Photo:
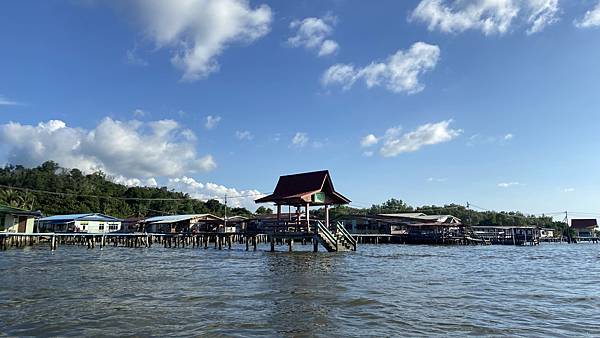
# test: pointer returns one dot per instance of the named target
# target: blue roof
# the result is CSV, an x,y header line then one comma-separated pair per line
x,y
80,217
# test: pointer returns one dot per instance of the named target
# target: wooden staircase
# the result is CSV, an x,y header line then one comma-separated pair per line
x,y
335,239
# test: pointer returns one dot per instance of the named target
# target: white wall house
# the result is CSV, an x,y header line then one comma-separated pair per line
x,y
17,220
90,223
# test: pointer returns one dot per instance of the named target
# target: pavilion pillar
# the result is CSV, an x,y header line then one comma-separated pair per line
x,y
308,218
327,216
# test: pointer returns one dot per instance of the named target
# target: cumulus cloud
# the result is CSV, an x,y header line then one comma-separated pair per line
x,y
369,140
300,139
590,19
508,184
399,73
312,33
135,182
396,143
509,137
206,191
198,31
244,135
119,148
488,16
212,122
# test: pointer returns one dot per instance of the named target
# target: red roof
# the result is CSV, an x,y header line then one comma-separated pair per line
x,y
584,223
297,189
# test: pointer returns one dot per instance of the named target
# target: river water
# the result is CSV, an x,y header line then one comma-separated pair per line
x,y
380,290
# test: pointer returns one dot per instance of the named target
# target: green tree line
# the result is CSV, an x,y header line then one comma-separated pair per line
x,y
76,189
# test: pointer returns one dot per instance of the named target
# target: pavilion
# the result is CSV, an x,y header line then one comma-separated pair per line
x,y
306,190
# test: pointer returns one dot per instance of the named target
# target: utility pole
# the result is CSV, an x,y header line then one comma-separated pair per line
x,y
225,223
568,233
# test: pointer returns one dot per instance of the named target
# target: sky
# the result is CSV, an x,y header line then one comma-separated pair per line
x,y
494,103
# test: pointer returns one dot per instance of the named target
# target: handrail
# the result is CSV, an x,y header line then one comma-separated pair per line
x,y
340,227
321,229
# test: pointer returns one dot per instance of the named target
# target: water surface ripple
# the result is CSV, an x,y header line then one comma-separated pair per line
x,y
385,290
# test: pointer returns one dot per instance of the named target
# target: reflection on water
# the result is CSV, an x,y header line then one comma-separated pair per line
x,y
378,291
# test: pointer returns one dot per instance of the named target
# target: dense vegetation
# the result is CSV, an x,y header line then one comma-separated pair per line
x,y
78,191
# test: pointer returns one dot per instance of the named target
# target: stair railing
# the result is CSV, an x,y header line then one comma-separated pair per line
x,y
326,233
340,228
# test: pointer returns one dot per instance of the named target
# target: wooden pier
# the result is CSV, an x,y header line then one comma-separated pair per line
x,y
132,240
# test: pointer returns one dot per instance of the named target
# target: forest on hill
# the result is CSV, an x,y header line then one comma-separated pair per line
x,y
68,191
72,191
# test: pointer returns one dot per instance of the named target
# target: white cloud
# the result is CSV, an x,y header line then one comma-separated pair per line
x,y
569,190
488,16
128,149
436,179
369,140
133,59
590,19
312,33
212,121
542,13
139,113
508,184
395,144
509,137
206,191
135,182
399,73
5,101
244,135
198,31
328,47
189,135
300,139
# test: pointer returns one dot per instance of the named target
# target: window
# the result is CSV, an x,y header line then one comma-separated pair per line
x,y
101,227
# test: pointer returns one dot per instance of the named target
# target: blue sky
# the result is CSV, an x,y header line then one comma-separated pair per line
x,y
491,102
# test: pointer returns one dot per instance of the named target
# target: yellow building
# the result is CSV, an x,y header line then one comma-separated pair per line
x,y
17,220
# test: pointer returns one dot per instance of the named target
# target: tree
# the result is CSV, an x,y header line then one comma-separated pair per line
x,y
263,211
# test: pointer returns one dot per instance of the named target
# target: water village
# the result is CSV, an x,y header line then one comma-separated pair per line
x,y
297,193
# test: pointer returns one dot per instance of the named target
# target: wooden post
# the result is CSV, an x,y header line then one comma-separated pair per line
x,y
290,244
273,242
308,218
254,242
327,216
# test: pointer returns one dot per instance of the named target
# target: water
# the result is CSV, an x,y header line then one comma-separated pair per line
x,y
385,290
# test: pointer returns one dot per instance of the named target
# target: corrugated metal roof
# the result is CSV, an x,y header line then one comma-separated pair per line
x,y
80,217
176,218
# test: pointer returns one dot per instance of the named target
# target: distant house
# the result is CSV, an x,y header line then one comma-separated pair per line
x,y
91,223
508,234
547,233
413,227
236,224
17,220
584,228
183,223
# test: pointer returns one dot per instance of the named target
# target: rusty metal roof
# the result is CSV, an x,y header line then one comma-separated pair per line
x,y
584,223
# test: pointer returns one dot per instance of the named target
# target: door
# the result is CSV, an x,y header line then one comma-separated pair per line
x,y
22,224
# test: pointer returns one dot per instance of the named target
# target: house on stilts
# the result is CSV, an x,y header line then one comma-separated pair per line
x,y
301,192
